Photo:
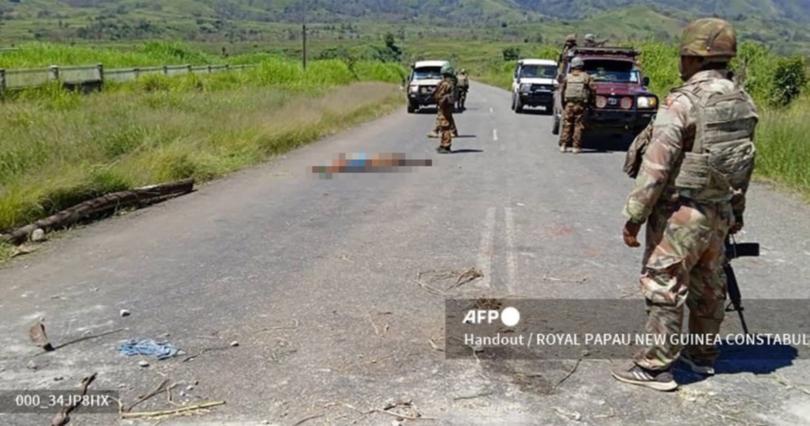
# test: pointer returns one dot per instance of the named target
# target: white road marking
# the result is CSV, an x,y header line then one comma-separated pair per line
x,y
511,259
485,249
495,135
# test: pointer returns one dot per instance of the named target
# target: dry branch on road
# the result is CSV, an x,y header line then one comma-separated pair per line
x,y
103,204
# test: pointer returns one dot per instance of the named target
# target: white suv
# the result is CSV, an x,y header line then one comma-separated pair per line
x,y
533,84
422,82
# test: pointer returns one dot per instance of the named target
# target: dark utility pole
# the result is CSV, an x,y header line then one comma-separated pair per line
x,y
304,35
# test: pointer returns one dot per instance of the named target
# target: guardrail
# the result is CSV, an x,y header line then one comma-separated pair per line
x,y
94,76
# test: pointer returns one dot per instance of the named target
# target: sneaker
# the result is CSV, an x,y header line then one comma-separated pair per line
x,y
659,380
563,148
576,150
698,366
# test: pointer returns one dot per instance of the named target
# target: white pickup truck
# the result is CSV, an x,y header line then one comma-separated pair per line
x,y
533,84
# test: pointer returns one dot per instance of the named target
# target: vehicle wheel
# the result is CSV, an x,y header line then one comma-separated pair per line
x,y
512,107
518,106
555,128
411,108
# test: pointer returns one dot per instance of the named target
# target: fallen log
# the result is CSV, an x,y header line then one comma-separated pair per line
x,y
103,204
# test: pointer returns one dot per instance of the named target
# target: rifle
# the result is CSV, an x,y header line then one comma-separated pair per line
x,y
733,251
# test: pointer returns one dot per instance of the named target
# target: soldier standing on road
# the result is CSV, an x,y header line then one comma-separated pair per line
x,y
577,91
463,88
690,191
445,102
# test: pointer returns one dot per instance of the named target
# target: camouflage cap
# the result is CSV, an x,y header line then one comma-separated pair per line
x,y
709,38
571,38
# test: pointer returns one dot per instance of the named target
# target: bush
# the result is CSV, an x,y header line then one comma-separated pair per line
x,y
511,53
789,78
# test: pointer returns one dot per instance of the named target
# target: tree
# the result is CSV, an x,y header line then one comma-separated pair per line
x,y
511,53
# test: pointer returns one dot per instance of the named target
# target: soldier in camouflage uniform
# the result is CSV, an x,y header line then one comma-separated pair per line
x,y
577,92
444,96
570,44
690,190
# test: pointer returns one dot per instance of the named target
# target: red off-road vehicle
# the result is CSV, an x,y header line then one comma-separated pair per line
x,y
622,103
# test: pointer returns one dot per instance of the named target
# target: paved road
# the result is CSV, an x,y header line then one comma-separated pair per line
x,y
315,278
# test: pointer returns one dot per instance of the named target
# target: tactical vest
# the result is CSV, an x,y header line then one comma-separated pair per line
x,y
722,157
576,88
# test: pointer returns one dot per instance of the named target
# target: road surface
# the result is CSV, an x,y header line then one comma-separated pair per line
x,y
316,280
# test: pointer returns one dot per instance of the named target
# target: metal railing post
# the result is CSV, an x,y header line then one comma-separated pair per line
x,y
54,71
100,68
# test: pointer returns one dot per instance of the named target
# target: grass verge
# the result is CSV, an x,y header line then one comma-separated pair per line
x,y
54,155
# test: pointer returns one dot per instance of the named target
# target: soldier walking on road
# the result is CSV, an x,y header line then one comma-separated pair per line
x,y
690,191
445,102
577,91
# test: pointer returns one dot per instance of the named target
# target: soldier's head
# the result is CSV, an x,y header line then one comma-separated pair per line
x,y
590,38
448,71
577,63
571,40
462,71
708,43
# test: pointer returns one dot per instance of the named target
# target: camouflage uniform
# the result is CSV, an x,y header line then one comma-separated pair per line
x,y
444,119
574,112
684,238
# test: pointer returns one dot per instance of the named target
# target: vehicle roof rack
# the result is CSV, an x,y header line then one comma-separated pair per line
x,y
618,51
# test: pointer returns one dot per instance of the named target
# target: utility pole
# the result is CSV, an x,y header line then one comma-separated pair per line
x,y
304,35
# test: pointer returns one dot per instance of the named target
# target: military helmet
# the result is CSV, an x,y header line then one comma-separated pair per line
x,y
590,37
462,71
709,38
571,38
447,69
577,62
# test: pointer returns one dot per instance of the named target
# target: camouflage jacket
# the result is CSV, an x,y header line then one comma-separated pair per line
x,y
590,86
673,135
444,93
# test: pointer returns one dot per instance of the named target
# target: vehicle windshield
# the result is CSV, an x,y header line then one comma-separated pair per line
x,y
538,71
613,71
427,73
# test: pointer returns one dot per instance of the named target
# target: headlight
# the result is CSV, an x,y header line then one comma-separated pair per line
x,y
601,101
525,87
647,102
414,89
626,103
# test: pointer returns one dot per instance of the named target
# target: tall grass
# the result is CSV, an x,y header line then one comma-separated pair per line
x,y
784,148
59,148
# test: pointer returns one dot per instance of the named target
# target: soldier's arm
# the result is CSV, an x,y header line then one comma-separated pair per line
x,y
562,91
661,156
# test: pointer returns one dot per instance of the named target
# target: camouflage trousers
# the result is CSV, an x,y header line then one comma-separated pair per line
x,y
448,115
573,124
683,261
445,126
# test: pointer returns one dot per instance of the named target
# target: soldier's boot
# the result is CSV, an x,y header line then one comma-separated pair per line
x,y
633,374
443,149
563,148
698,366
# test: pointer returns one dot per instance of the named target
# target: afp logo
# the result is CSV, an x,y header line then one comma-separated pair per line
x,y
509,316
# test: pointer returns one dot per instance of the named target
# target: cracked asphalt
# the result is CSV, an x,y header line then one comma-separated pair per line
x,y
316,279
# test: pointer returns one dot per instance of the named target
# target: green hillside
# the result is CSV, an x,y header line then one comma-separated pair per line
x,y
779,23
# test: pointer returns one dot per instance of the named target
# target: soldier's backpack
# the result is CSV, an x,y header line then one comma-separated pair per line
x,y
722,157
575,87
